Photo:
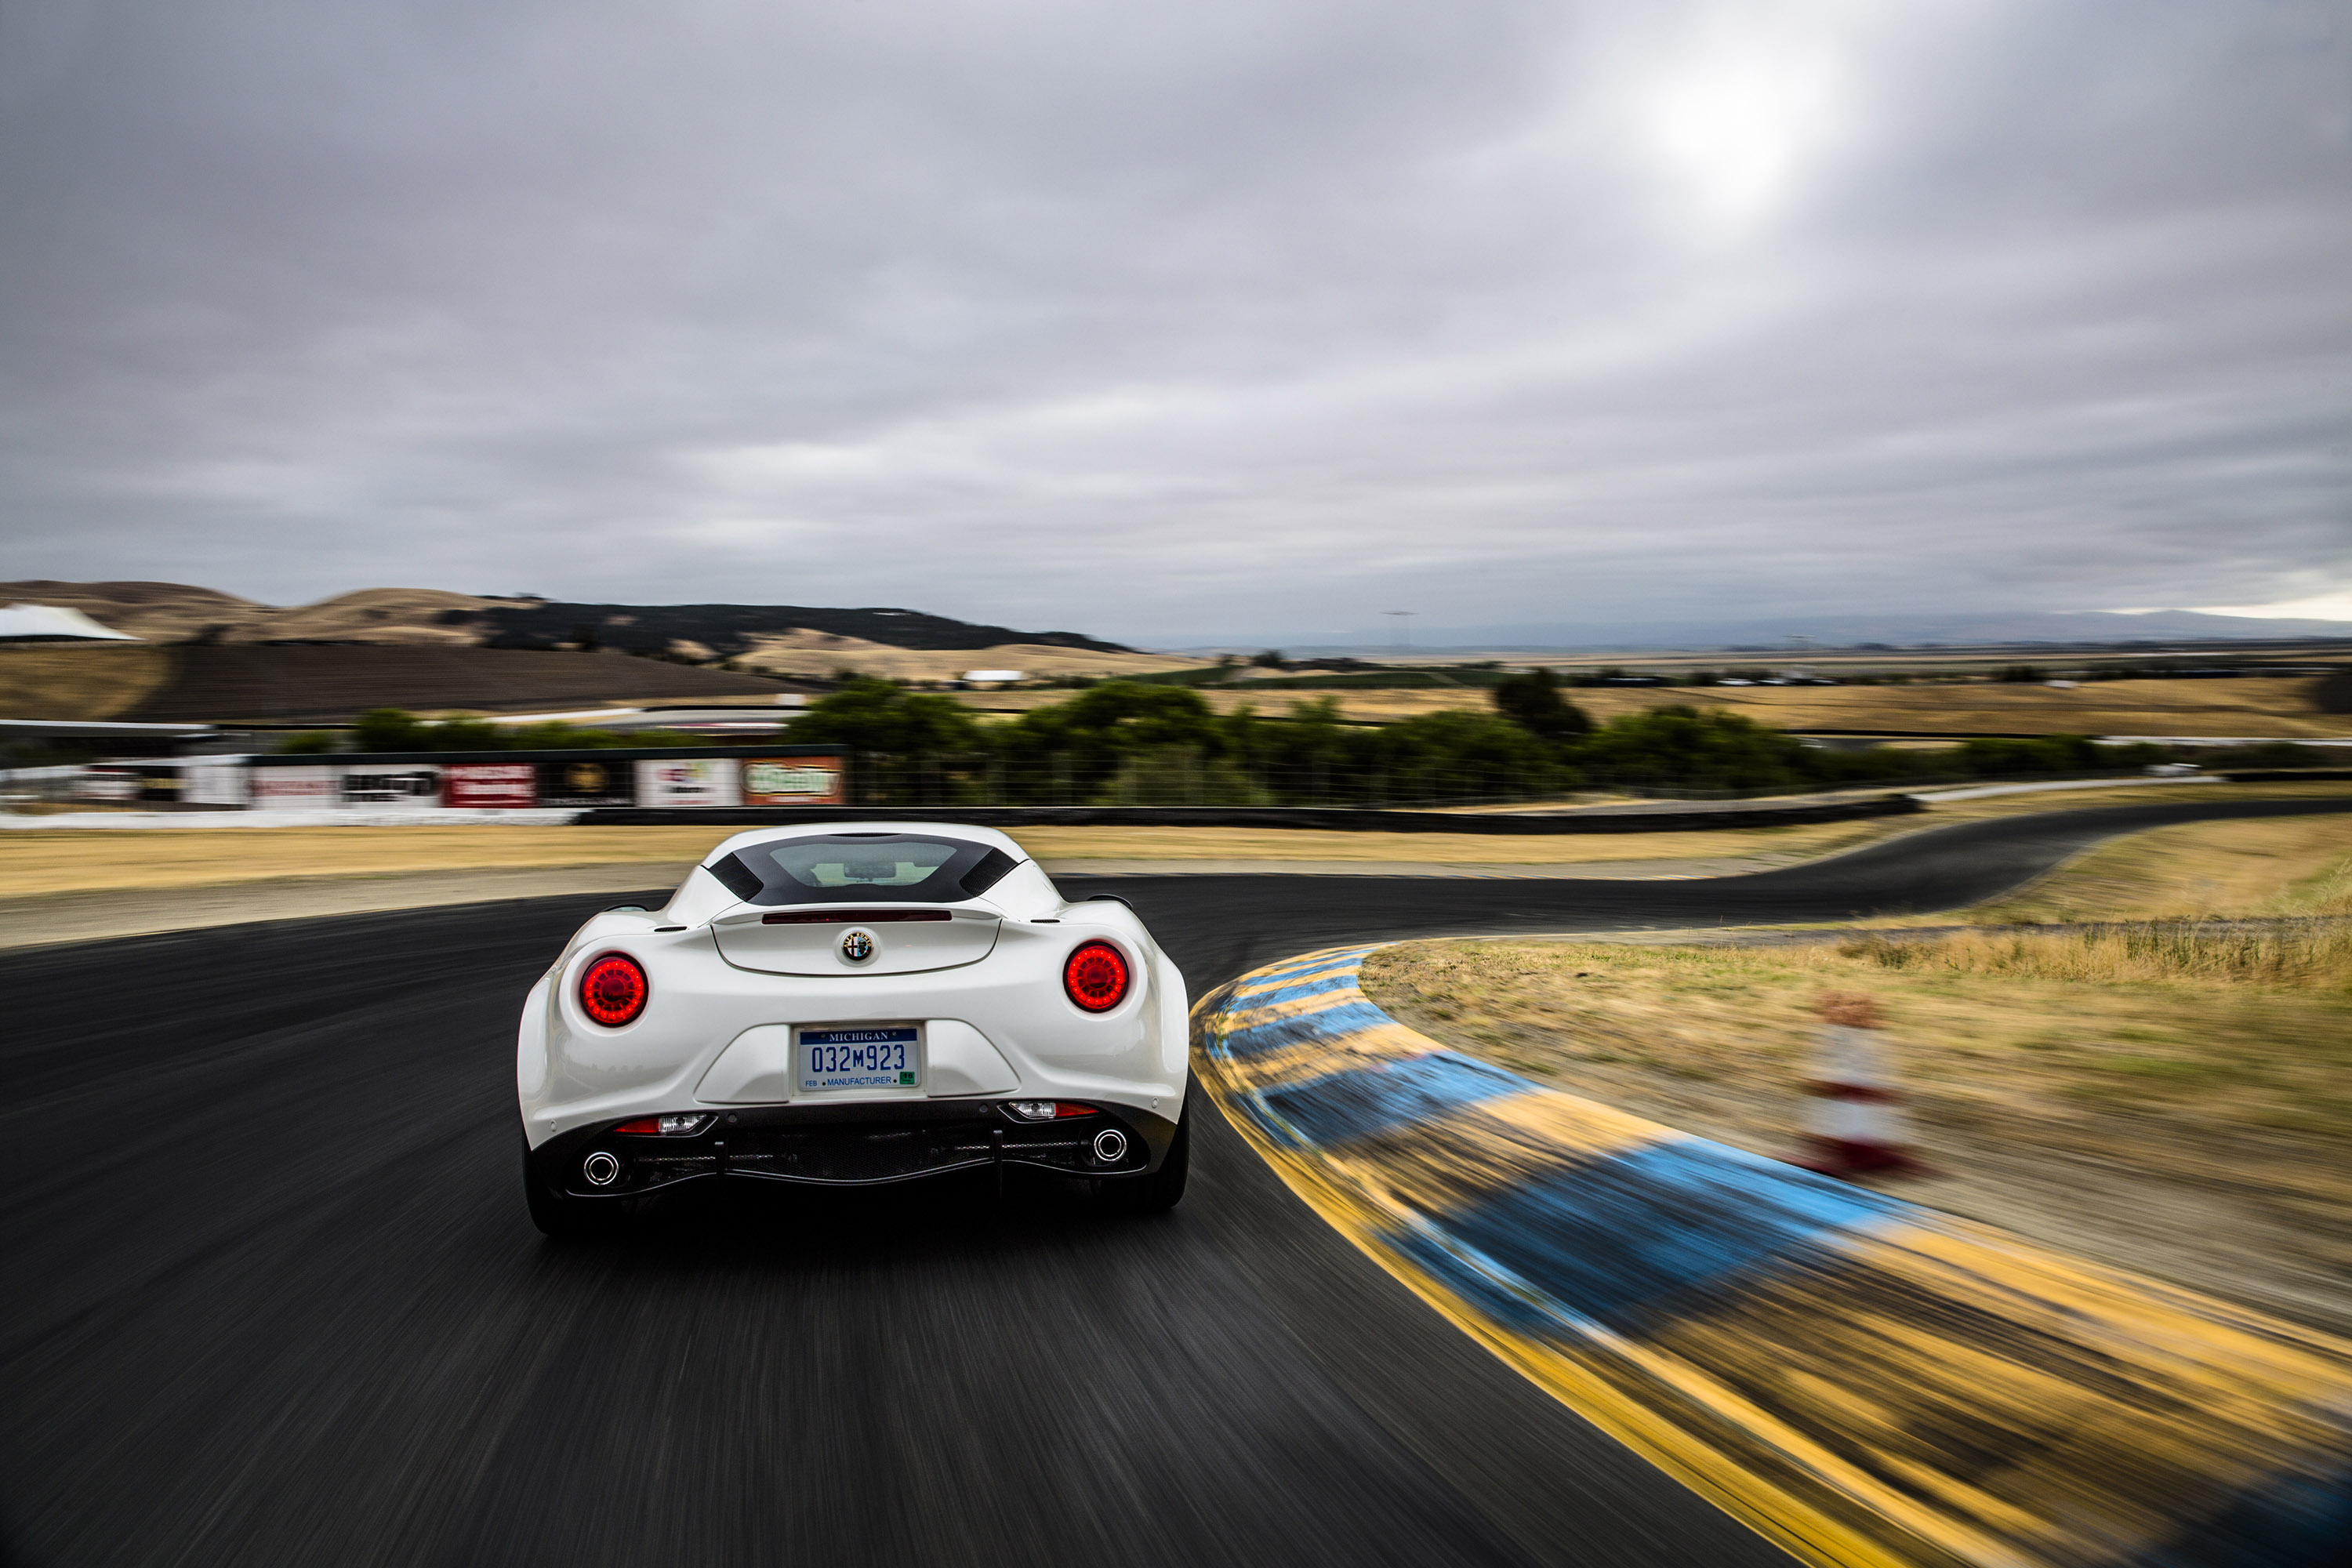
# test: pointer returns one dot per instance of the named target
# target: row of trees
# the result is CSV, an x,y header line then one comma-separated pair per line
x,y
1138,744
1124,743
393,730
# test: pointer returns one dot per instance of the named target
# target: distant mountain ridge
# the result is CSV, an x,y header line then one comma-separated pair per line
x,y
739,629
179,612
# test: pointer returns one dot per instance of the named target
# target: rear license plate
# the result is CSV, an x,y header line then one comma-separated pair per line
x,y
888,1056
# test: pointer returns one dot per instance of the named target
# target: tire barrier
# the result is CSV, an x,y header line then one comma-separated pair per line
x,y
1863,1380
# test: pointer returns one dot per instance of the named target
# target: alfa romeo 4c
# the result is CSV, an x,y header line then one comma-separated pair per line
x,y
850,1004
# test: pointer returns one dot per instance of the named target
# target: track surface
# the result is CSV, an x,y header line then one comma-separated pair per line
x,y
271,1296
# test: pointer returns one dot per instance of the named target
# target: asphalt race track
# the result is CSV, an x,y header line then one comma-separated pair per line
x,y
272,1297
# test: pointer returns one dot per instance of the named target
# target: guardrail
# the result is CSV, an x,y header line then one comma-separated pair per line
x,y
1863,1380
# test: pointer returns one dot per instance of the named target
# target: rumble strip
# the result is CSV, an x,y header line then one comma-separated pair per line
x,y
1862,1380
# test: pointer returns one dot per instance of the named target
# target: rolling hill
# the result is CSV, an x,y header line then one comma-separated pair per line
x,y
179,612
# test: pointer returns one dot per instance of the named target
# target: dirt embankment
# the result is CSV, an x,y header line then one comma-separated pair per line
x,y
47,680
330,685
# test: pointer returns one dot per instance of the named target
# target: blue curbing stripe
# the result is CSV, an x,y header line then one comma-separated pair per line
x,y
1353,1104
1275,1034
2304,1521
1622,1240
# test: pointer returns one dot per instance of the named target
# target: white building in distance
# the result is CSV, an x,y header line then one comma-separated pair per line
x,y
53,623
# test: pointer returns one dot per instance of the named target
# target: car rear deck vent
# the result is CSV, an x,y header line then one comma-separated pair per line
x,y
602,1170
1111,1145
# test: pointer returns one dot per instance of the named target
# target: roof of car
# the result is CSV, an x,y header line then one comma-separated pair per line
x,y
958,830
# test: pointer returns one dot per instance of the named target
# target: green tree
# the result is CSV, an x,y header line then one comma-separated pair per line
x,y
1677,747
387,730
869,715
1463,754
1533,702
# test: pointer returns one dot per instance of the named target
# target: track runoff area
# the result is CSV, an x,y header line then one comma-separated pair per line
x,y
273,1299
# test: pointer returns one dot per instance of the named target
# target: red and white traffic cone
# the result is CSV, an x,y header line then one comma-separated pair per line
x,y
1857,1125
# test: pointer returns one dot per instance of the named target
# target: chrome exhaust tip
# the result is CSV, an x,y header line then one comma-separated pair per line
x,y
601,1169
1111,1145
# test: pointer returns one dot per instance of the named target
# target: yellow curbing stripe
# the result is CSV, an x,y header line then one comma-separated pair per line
x,y
1811,1533
1313,1059
1821,1404
1324,964
1258,1017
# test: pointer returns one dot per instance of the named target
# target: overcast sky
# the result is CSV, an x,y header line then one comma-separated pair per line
x,y
1238,314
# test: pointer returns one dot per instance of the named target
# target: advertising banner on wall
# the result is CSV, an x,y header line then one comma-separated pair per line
x,y
213,784
792,781
296,788
689,781
584,784
490,787
414,787
117,785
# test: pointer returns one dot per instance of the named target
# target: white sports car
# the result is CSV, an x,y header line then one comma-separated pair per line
x,y
852,1005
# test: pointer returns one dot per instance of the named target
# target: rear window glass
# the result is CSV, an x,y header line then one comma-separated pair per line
x,y
865,868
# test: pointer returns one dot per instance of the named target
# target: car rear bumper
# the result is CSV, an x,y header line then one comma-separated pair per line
x,y
863,1145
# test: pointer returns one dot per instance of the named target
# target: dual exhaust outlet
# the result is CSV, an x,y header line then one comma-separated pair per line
x,y
602,1168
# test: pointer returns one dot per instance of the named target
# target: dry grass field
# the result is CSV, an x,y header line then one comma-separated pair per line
x,y
2264,709
2176,1103
39,861
2170,1097
2297,866
811,653
35,862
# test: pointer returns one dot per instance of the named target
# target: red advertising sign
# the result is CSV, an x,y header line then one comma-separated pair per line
x,y
495,786
297,787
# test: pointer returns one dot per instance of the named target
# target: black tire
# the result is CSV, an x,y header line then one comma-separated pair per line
x,y
1164,1188
563,1218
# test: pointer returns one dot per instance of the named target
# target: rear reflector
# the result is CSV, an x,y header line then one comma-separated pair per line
x,y
1095,976
1037,1110
682,1126
853,917
613,990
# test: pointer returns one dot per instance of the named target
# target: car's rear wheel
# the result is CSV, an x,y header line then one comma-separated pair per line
x,y
1164,1188
564,1218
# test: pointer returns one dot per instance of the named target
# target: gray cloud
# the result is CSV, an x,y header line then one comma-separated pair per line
x,y
1234,315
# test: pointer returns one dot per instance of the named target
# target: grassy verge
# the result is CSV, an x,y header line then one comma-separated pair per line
x,y
67,860
1308,843
2169,1099
2298,866
77,860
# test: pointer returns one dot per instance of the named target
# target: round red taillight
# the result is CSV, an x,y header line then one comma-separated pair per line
x,y
613,990
1095,976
